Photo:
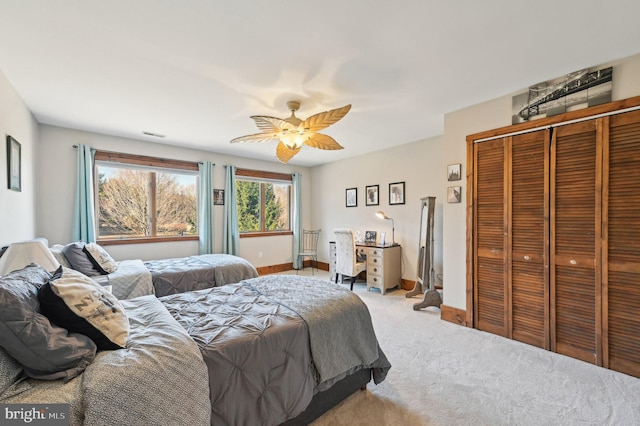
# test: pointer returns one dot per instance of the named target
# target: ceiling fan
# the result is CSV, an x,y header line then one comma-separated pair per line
x,y
292,132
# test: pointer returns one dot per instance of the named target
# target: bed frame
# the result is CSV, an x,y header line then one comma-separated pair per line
x,y
325,400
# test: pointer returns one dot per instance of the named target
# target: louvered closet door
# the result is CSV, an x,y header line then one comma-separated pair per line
x,y
575,241
529,231
621,278
489,219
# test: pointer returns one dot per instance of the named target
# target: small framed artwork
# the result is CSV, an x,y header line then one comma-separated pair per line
x,y
454,194
218,197
351,197
396,193
14,165
370,237
454,172
372,195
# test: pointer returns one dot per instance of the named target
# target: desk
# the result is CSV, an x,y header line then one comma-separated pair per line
x,y
384,264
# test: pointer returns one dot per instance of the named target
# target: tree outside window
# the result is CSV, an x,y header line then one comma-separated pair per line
x,y
135,202
263,206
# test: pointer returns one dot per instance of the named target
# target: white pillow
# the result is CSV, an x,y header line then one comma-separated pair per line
x,y
56,251
89,300
101,257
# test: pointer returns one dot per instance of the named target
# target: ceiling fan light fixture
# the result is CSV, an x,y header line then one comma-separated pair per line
x,y
292,132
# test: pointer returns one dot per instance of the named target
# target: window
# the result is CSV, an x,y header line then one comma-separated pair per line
x,y
145,199
263,200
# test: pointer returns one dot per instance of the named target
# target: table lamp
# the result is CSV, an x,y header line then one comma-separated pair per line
x,y
381,215
21,254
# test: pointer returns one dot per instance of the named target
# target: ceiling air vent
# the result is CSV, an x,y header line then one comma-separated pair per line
x,y
155,135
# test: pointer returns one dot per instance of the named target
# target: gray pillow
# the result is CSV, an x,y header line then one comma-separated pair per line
x,y
79,260
45,351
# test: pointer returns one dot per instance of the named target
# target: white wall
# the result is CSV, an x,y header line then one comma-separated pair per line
x,y
56,187
486,116
17,209
419,164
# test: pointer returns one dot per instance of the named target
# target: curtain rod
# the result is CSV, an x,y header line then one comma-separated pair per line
x,y
199,162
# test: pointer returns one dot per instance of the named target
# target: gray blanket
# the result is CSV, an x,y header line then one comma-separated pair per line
x,y
260,354
340,328
159,379
172,276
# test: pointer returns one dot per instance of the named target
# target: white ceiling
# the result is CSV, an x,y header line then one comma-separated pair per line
x,y
195,70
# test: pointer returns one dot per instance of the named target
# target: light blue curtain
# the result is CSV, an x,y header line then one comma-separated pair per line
x,y
231,236
296,219
205,209
84,215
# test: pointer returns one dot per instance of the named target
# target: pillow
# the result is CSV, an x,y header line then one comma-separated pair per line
x,y
74,301
100,258
56,251
45,351
79,260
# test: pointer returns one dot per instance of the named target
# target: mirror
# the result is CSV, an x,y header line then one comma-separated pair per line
x,y
425,273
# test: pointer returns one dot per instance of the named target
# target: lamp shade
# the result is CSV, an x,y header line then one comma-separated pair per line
x,y
19,255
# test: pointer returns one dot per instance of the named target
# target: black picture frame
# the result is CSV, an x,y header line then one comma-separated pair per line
x,y
218,197
351,197
396,193
14,164
372,195
370,237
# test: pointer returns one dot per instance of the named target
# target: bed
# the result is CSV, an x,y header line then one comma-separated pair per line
x,y
262,351
133,278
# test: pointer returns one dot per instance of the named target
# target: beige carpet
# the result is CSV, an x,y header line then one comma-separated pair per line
x,y
445,374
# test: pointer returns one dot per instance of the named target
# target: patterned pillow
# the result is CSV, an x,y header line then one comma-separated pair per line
x,y
45,351
100,258
76,302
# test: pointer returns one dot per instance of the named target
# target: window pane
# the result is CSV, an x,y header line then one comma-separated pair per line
x,y
248,201
128,207
176,206
276,200
123,197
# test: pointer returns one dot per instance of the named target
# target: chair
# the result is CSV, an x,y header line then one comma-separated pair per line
x,y
309,247
346,256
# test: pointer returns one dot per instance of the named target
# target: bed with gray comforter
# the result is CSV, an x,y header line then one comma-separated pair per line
x,y
171,276
255,352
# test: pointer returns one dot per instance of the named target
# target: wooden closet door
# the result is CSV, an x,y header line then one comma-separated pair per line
x,y
576,169
621,250
490,313
529,205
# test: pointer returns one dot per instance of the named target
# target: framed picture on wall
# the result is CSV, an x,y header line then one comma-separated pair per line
x,y
218,197
396,193
454,172
454,194
351,197
371,192
14,165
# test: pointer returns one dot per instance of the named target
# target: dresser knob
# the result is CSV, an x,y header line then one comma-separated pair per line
x,y
527,258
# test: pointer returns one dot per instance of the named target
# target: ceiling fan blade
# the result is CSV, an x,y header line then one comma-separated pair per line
x,y
284,153
325,119
321,141
258,137
271,124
